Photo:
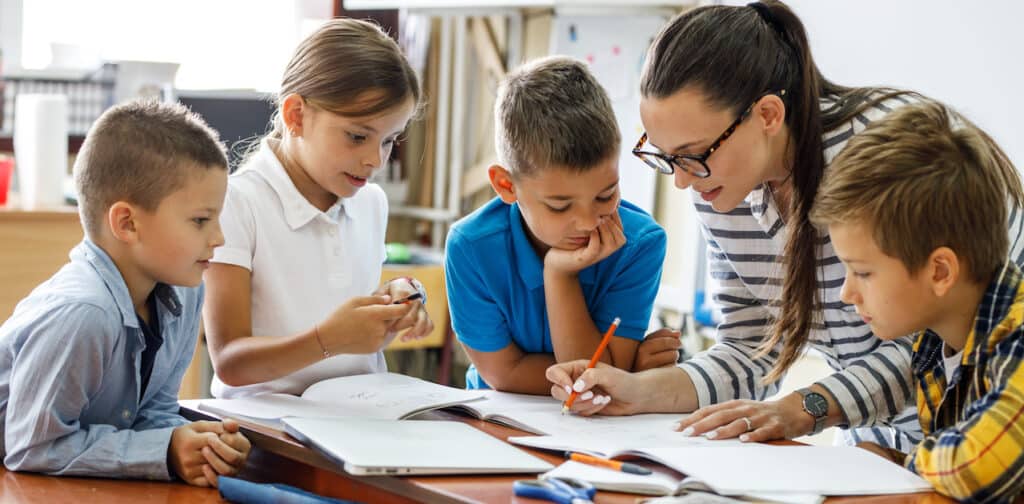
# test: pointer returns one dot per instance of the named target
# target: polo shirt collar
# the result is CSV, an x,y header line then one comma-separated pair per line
x,y
298,211
528,264
113,280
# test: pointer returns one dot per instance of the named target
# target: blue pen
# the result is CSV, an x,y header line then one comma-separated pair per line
x,y
558,490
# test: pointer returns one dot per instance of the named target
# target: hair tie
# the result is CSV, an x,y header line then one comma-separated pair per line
x,y
766,14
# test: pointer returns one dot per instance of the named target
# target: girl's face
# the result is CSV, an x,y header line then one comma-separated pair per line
x,y
340,153
685,123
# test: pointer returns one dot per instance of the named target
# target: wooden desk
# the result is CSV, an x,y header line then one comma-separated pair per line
x,y
34,488
277,457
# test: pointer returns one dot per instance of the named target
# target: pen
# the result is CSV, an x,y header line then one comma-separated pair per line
x,y
408,299
593,361
609,463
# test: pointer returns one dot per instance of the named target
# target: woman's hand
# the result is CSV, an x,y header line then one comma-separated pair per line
x,y
750,421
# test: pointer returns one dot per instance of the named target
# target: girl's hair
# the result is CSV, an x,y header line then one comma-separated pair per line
x,y
349,67
734,55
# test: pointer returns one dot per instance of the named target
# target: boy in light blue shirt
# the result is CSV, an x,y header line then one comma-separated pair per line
x,y
536,275
92,360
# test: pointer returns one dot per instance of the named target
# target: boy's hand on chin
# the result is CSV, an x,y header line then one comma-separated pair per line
x,y
604,241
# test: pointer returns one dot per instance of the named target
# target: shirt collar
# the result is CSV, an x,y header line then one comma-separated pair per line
x,y
995,304
529,265
100,261
298,211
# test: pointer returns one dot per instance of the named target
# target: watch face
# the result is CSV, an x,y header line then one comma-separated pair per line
x,y
816,404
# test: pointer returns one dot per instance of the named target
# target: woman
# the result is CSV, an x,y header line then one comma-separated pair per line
x,y
735,107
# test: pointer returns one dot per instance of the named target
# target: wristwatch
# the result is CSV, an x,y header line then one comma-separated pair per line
x,y
815,405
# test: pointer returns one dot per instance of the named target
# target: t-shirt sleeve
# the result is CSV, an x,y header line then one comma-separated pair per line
x,y
238,224
476,318
631,295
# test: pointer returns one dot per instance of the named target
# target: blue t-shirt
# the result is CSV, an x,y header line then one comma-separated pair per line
x,y
495,281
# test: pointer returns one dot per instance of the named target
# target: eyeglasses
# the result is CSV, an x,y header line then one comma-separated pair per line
x,y
694,164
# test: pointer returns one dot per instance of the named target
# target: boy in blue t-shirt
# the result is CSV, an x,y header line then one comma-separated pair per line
x,y
92,360
538,274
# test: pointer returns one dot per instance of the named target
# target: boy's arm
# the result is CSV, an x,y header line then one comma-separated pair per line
x,y
512,370
576,329
57,372
981,458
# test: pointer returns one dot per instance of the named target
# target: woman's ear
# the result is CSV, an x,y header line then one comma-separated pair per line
x,y
943,269
293,108
121,222
772,113
501,182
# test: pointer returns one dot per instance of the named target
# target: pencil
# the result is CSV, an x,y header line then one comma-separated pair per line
x,y
610,464
593,361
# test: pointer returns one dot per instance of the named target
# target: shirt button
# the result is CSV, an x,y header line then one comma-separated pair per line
x,y
126,414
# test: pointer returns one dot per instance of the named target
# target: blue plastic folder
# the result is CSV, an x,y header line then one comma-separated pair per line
x,y
247,492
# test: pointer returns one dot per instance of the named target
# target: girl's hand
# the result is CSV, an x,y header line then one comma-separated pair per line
x,y
361,325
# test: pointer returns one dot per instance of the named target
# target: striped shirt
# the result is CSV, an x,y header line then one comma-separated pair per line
x,y
872,382
973,449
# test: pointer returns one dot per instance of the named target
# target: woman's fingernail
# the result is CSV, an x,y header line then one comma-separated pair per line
x,y
744,438
587,395
578,386
606,399
711,435
688,431
568,389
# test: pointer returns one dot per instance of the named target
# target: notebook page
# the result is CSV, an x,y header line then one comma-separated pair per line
x,y
386,395
824,470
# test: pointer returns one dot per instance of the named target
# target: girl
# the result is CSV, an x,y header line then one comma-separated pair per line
x,y
735,108
304,231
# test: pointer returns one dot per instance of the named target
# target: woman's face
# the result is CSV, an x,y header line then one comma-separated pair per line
x,y
686,123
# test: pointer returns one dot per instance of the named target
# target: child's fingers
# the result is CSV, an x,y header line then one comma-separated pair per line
x,y
422,328
208,426
226,453
210,475
387,311
230,425
217,463
237,441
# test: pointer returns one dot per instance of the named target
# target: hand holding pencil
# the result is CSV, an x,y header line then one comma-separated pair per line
x,y
593,361
601,388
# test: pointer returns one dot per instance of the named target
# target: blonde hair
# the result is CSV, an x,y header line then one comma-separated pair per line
x,y
925,177
349,67
552,111
141,152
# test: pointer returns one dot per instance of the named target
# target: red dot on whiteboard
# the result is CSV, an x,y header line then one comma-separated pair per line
x,y
616,50
590,58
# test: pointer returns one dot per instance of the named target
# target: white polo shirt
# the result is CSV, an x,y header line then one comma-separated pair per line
x,y
304,262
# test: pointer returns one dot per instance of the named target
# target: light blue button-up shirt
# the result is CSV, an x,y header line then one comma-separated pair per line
x,y
69,374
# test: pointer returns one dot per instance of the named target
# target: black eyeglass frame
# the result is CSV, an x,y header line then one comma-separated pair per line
x,y
672,161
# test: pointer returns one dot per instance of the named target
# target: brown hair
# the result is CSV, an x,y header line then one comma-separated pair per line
x,y
140,152
924,171
734,55
552,111
349,67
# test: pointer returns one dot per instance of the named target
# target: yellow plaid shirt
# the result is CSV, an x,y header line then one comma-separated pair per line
x,y
973,449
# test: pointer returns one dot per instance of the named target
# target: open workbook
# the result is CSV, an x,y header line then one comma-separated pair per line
x,y
753,468
664,484
386,396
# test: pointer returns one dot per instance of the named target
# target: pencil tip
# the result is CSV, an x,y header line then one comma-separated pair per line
x,y
565,410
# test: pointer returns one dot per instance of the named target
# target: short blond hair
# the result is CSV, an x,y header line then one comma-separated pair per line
x,y
141,152
553,112
925,177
